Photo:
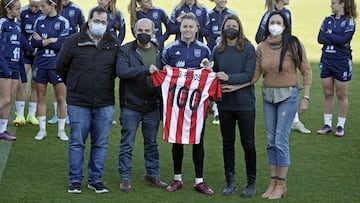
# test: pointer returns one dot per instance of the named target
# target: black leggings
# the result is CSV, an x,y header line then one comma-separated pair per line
x,y
197,153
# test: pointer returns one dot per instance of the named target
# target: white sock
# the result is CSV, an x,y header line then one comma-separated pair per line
x,y
61,124
199,180
20,106
296,118
178,177
3,125
55,108
32,108
42,122
328,119
215,110
341,122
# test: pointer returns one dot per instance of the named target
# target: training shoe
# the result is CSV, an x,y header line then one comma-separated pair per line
x,y
19,120
114,122
125,186
7,136
299,126
53,120
249,190
98,187
339,132
325,130
62,135
216,121
75,188
40,135
175,185
203,188
154,181
67,120
32,120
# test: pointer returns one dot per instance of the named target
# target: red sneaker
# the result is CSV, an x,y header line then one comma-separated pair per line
x,y
175,185
203,188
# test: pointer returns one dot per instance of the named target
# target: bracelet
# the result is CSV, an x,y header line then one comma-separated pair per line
x,y
306,97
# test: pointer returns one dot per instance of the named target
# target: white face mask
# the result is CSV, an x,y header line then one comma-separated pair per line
x,y
97,29
275,30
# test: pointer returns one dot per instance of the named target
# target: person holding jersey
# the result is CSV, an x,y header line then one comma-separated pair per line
x,y
174,55
139,102
116,19
50,31
335,35
29,14
11,62
279,5
236,107
202,17
139,9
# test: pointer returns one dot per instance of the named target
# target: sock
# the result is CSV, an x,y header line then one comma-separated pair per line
x,y
328,119
20,106
341,122
3,125
61,124
178,177
296,118
32,108
55,108
215,110
199,180
42,122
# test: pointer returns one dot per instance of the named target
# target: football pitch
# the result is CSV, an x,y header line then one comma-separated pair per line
x,y
323,168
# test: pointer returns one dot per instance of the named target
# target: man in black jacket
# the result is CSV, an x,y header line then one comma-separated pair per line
x,y
87,64
139,102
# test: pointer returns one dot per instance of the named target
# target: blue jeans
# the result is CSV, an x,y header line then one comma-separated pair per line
x,y
130,120
278,120
97,122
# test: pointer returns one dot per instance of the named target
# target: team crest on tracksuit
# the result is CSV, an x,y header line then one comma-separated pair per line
x,y
72,13
197,53
198,12
155,15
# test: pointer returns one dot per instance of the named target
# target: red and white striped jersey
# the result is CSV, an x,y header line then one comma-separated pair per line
x,y
185,95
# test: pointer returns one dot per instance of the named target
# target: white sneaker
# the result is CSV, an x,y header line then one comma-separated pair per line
x,y
114,122
62,135
40,135
299,126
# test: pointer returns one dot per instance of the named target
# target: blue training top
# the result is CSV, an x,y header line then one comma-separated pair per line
x,y
179,54
74,15
335,35
49,27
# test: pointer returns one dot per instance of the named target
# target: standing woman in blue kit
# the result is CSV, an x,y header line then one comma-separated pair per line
x,y
335,35
50,31
11,64
145,9
116,21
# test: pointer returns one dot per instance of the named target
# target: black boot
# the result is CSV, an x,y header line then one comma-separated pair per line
x,y
249,189
230,187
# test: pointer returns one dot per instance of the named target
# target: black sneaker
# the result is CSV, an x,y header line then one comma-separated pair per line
x,y
249,190
75,188
98,187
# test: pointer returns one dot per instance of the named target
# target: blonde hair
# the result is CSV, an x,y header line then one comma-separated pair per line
x,y
270,4
182,2
349,8
132,8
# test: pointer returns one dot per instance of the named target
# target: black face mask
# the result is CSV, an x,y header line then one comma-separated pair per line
x,y
231,33
143,38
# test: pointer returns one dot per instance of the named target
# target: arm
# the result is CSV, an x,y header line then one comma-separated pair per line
x,y
166,21
64,59
122,28
56,45
306,73
322,34
124,68
260,32
248,73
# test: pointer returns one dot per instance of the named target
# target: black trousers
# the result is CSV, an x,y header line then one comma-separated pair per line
x,y
197,154
246,124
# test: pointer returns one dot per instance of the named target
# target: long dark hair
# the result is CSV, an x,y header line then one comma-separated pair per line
x,y
241,39
289,42
349,8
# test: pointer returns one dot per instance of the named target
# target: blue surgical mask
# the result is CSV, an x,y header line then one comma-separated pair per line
x,y
97,29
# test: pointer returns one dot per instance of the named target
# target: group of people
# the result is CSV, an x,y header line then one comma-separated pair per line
x,y
174,82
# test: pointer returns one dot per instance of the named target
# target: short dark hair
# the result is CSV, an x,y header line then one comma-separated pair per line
x,y
97,9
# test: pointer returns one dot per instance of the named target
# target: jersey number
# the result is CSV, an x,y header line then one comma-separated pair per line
x,y
182,97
